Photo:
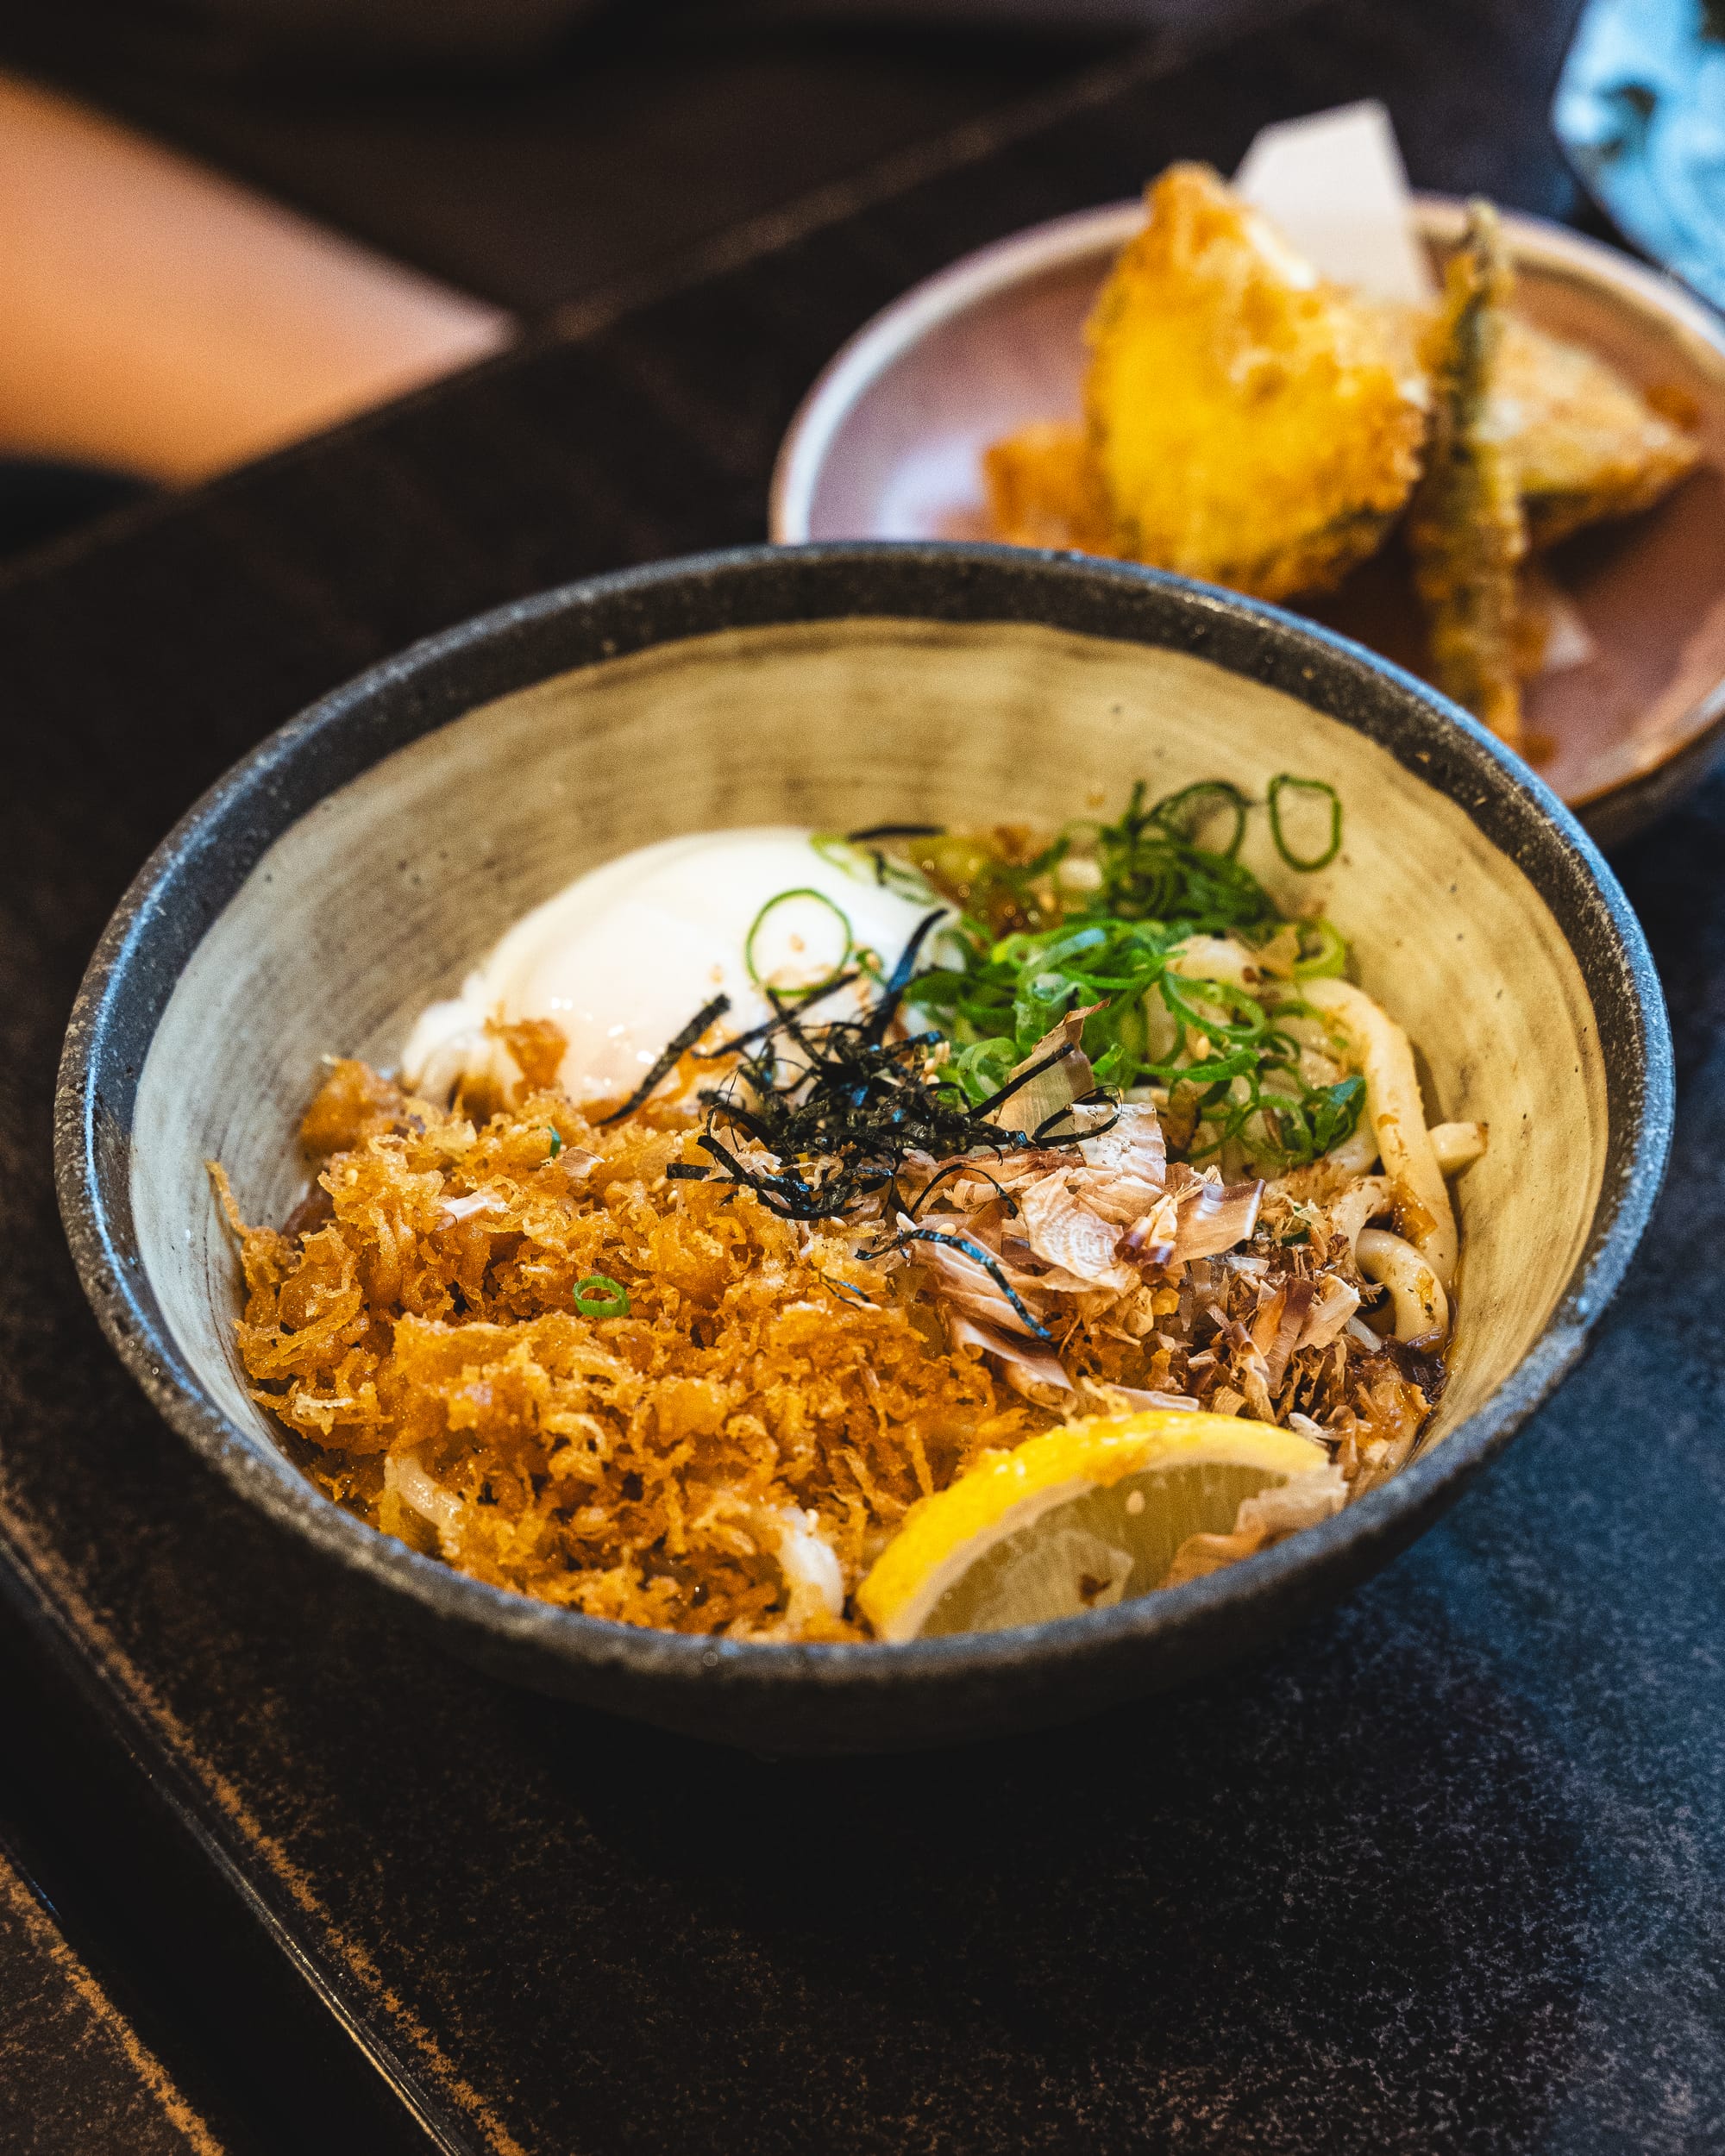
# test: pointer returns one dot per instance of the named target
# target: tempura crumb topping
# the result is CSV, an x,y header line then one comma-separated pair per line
x,y
423,1340
732,1450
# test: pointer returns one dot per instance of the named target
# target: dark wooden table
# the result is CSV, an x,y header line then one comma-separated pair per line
x,y
1443,1872
75,2074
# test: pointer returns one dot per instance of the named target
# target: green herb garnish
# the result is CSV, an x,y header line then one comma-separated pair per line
x,y
1316,789
600,1296
829,978
1165,873
1323,954
840,1106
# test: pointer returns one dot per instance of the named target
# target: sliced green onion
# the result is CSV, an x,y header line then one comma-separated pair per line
x,y
1153,869
1186,813
1182,996
1284,782
555,1137
836,850
1169,870
1041,1001
981,1068
1215,1071
783,897
869,864
1329,960
1334,1112
600,1296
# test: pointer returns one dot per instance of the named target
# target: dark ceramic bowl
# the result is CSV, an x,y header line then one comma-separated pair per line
x,y
352,866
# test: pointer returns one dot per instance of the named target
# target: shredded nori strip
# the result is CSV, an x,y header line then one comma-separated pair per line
x,y
990,1264
1097,1095
668,1059
847,1291
740,1041
893,831
840,1107
893,994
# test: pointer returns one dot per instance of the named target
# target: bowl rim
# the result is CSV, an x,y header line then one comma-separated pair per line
x,y
257,800
1535,242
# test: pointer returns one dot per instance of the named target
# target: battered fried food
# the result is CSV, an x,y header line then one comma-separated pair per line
x,y
1249,422
1586,445
1045,489
1465,527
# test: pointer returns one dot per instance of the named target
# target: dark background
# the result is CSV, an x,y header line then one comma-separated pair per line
x,y
1442,1872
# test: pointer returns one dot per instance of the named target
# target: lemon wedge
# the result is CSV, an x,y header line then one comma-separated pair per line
x,y
1078,1519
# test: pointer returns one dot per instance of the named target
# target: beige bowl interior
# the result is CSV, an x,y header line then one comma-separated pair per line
x,y
383,896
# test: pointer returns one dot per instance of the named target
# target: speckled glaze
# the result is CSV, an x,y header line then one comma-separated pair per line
x,y
363,855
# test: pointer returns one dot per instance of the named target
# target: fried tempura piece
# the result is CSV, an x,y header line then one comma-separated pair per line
x,y
1249,422
1407,327
1465,529
1045,489
1586,444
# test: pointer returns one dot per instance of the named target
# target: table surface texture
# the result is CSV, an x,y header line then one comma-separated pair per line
x,y
1443,1870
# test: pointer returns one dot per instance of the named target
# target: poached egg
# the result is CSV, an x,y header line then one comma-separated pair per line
x,y
622,959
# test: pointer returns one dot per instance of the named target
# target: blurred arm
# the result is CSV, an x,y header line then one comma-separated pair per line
x,y
159,318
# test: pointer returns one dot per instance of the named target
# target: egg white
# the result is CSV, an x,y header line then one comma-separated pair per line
x,y
623,957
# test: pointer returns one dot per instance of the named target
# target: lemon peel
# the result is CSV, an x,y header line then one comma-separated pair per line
x,y
1076,1518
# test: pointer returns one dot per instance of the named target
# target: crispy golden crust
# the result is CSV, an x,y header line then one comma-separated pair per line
x,y
1044,490
1465,527
1251,425
418,1329
1250,422
422,1337
1586,445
